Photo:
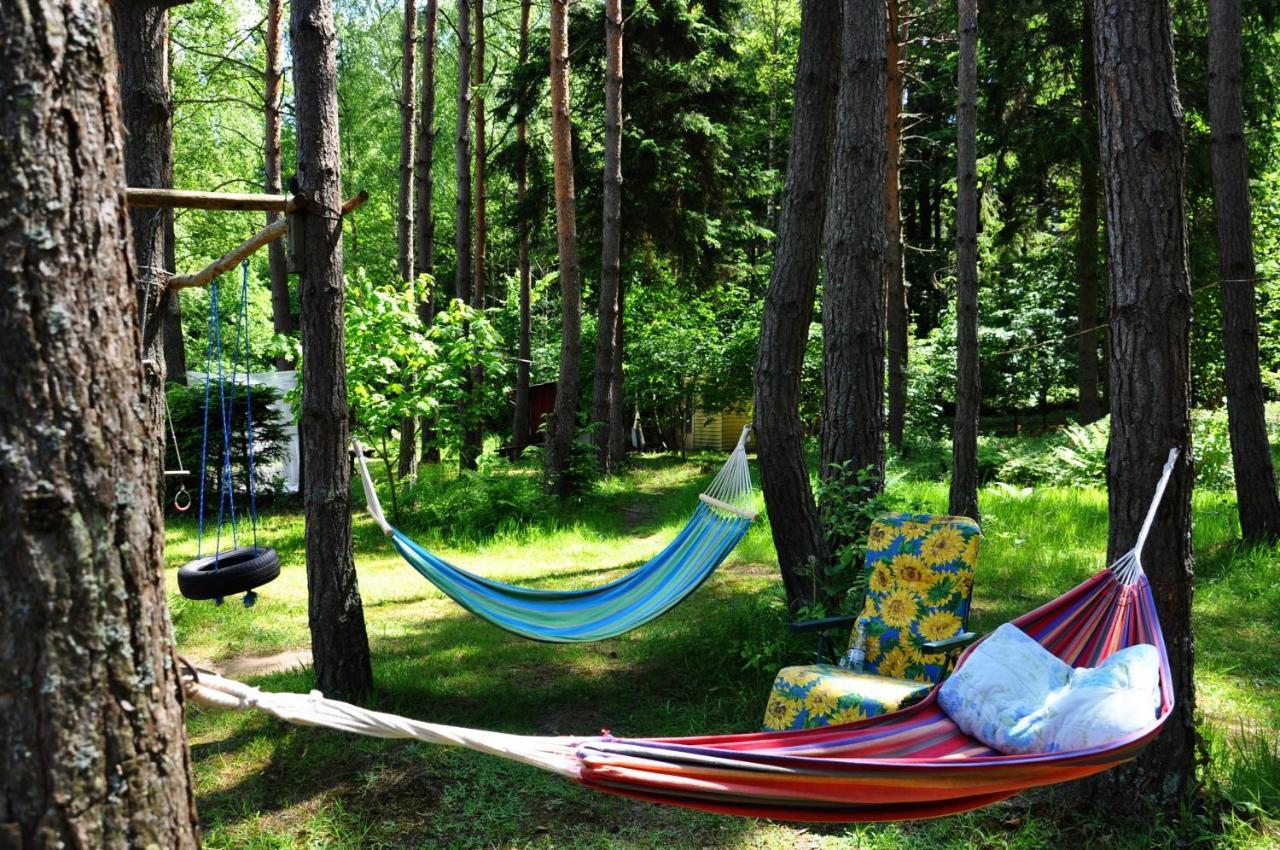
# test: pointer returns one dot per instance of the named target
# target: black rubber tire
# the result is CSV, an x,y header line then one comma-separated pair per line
x,y
228,573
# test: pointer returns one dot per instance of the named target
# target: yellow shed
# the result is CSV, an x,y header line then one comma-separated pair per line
x,y
717,430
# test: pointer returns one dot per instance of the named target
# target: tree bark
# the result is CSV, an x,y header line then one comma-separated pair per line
x,y
273,90
520,426
617,410
475,434
1149,302
424,215
405,230
339,644
142,47
1256,497
602,400
964,440
853,336
896,317
788,308
92,747
562,424
462,209
1090,401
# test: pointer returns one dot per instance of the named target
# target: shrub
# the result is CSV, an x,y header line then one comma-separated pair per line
x,y
186,407
477,505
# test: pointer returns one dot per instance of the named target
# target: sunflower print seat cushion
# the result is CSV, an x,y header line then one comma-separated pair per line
x,y
919,572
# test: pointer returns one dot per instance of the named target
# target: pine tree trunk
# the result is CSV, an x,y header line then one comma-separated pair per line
x,y
562,424
462,208
1090,402
339,644
964,440
895,287
788,307
853,336
424,215
92,747
617,411
273,90
1250,452
142,47
405,230
1149,301
175,353
520,427
475,434
602,400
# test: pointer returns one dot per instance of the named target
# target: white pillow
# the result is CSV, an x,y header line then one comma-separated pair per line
x,y
1006,678
1117,698
1017,697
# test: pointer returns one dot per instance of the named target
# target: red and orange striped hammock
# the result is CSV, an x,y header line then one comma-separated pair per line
x,y
914,763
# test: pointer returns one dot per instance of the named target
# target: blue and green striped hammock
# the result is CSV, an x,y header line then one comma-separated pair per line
x,y
719,521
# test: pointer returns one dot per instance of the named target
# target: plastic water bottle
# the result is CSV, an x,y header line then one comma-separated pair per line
x,y
856,657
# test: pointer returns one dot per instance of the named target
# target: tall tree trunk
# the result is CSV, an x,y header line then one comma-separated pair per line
x,y
1256,496
462,209
142,46
618,422
853,336
175,353
964,439
475,434
1149,301
602,400
771,157
273,91
562,424
788,307
520,427
424,215
1090,402
895,286
339,644
405,231
92,747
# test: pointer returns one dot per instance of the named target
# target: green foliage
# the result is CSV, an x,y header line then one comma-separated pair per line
x,y
477,505
187,409
1245,769
849,500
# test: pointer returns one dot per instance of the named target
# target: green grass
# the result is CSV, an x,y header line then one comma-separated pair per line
x,y
705,667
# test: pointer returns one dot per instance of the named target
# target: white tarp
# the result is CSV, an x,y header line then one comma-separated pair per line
x,y
282,383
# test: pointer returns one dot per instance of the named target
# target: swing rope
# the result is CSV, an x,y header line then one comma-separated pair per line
x,y
226,409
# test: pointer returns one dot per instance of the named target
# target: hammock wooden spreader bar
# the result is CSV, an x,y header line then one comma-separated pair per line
x,y
914,763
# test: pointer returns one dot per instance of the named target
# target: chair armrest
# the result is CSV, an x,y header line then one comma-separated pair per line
x,y
951,644
825,624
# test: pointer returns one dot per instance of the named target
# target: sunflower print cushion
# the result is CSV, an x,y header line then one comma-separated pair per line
x,y
919,583
826,695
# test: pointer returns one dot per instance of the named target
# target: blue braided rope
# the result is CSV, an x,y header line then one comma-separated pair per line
x,y
204,440
248,396
226,496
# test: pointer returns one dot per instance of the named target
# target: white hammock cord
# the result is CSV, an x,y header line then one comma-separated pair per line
x,y
555,754
1128,567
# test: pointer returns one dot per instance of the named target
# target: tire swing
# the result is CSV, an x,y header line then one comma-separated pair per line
x,y
240,569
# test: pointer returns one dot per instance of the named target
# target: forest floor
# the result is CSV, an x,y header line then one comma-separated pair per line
x,y
704,668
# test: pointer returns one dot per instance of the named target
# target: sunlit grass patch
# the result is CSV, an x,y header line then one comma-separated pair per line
x,y
704,667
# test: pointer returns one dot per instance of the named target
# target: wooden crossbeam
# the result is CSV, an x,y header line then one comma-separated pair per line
x,y
235,256
185,199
